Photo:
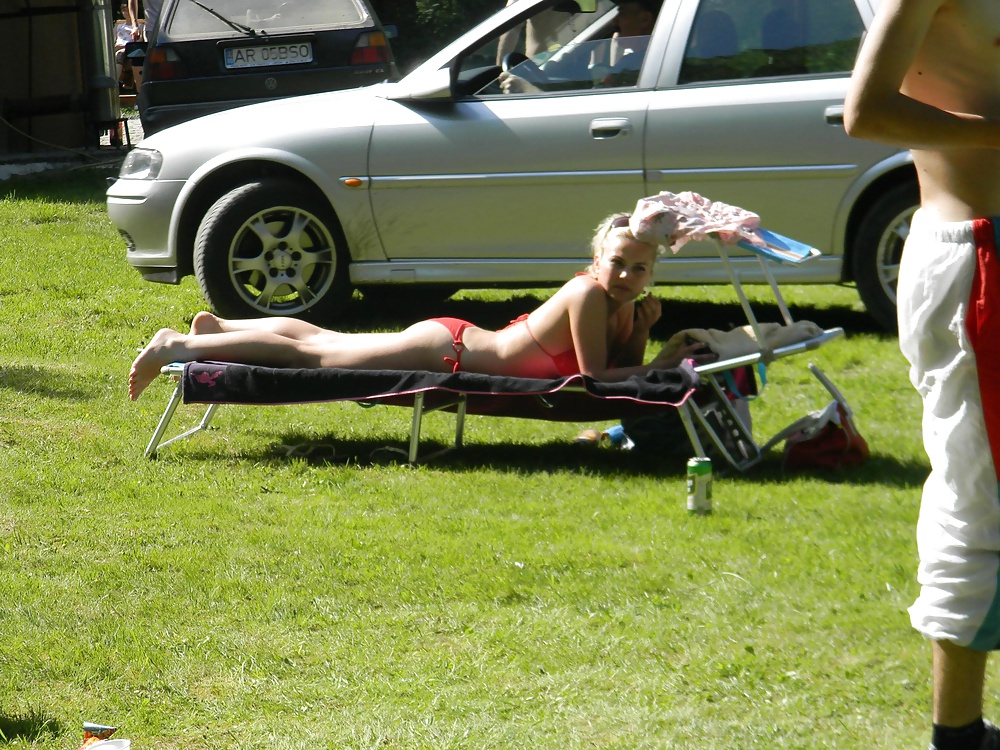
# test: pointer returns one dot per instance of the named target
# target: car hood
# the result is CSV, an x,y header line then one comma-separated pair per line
x,y
280,125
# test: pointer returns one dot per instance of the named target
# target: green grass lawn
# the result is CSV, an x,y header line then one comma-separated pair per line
x,y
522,593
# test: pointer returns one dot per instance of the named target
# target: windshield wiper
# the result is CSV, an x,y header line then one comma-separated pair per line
x,y
228,21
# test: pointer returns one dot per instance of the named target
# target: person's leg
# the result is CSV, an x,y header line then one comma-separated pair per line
x,y
958,530
249,347
959,676
293,328
427,345
423,346
959,673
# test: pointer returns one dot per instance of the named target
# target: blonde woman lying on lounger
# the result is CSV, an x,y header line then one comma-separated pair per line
x,y
592,325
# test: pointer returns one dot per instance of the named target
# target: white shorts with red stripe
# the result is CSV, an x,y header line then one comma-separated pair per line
x,y
949,330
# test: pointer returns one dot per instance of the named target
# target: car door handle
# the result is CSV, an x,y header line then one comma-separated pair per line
x,y
834,114
610,127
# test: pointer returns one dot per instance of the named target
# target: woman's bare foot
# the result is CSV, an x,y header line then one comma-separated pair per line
x,y
206,322
146,366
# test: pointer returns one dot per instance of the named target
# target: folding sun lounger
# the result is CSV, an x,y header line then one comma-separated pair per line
x,y
712,424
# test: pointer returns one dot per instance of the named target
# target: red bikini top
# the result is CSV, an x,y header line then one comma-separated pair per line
x,y
564,362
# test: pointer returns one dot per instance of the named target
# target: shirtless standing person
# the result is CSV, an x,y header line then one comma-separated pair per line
x,y
928,78
541,30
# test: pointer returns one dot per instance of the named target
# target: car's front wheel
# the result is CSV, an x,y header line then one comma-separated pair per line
x,y
878,248
268,248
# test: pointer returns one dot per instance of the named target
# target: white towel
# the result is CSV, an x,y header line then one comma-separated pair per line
x,y
740,341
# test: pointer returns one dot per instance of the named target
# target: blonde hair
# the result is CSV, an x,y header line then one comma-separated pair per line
x,y
607,232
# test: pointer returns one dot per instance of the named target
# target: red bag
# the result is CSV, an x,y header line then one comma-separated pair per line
x,y
826,439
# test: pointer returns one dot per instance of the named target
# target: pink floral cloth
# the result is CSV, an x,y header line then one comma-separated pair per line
x,y
672,220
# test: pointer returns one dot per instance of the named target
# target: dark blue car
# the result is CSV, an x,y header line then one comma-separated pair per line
x,y
203,59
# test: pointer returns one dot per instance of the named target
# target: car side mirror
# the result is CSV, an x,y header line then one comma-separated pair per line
x,y
435,85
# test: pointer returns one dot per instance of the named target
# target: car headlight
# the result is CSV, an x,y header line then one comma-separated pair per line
x,y
141,164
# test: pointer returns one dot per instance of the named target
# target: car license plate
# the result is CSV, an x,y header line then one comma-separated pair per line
x,y
267,55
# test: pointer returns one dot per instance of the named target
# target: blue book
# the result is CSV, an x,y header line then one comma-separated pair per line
x,y
780,249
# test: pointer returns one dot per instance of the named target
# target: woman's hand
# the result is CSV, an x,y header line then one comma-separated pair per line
x,y
647,312
671,357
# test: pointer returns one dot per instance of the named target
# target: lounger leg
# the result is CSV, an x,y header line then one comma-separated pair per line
x,y
419,409
202,425
692,433
460,420
175,399
418,415
738,432
728,420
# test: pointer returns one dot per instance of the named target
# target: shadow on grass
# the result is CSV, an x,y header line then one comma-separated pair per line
x,y
72,182
545,458
677,314
42,382
32,727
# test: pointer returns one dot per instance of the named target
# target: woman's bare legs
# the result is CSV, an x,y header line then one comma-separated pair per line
x,y
406,349
249,347
206,322
422,346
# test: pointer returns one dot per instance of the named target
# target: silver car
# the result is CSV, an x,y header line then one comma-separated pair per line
x,y
454,178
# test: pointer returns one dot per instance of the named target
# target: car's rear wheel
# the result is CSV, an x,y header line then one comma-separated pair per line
x,y
268,248
878,249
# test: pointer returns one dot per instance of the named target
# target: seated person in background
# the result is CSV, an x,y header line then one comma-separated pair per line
x,y
634,22
125,30
539,32
590,326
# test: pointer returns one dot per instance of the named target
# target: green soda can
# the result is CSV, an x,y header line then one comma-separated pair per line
x,y
699,485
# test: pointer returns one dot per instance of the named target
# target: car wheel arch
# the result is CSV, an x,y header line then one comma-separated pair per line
x,y
863,204
213,185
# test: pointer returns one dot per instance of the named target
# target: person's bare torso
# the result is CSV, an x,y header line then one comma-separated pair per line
x,y
958,69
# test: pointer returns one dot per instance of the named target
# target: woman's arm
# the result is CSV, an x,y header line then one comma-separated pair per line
x,y
588,319
636,332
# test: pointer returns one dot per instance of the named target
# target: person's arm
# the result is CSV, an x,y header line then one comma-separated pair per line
x,y
588,320
647,312
133,19
508,40
875,108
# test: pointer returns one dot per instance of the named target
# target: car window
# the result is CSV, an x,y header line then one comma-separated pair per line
x,y
736,39
555,51
189,20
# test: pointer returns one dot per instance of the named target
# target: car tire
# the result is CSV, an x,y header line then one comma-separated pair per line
x,y
269,248
878,248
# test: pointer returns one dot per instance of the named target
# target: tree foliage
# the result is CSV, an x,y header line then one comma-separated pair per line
x,y
426,25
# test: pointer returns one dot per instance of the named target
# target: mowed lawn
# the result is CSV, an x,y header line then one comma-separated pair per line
x,y
521,593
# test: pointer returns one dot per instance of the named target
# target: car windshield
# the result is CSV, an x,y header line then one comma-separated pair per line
x,y
187,20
